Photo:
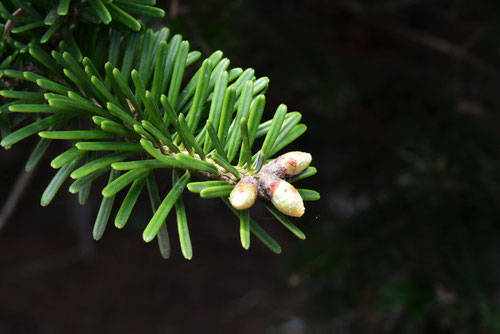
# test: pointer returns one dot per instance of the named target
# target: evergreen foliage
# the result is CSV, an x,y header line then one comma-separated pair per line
x,y
152,104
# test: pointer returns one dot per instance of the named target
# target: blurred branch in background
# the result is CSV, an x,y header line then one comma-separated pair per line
x,y
15,195
174,9
450,49
368,15
390,6
83,250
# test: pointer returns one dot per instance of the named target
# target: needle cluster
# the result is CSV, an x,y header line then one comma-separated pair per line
x,y
131,101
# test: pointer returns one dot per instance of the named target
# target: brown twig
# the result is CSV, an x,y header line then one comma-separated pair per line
x,y
224,176
9,25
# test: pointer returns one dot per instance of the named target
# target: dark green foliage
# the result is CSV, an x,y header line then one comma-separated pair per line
x,y
61,61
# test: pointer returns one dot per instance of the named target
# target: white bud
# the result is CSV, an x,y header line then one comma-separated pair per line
x,y
243,195
286,198
294,162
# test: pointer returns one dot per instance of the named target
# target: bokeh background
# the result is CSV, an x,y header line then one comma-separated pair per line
x,y
402,103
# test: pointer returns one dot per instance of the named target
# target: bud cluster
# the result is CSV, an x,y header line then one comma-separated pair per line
x,y
269,183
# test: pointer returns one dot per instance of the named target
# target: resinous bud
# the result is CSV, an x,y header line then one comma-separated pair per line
x,y
286,198
243,195
294,162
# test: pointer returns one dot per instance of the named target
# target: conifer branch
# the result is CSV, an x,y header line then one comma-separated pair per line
x,y
129,82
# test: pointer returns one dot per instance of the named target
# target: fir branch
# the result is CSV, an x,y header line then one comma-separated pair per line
x,y
143,119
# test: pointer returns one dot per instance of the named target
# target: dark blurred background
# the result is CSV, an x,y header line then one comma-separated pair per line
x,y
402,103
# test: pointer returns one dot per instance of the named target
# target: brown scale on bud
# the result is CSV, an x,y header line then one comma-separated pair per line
x,y
269,183
288,164
293,162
